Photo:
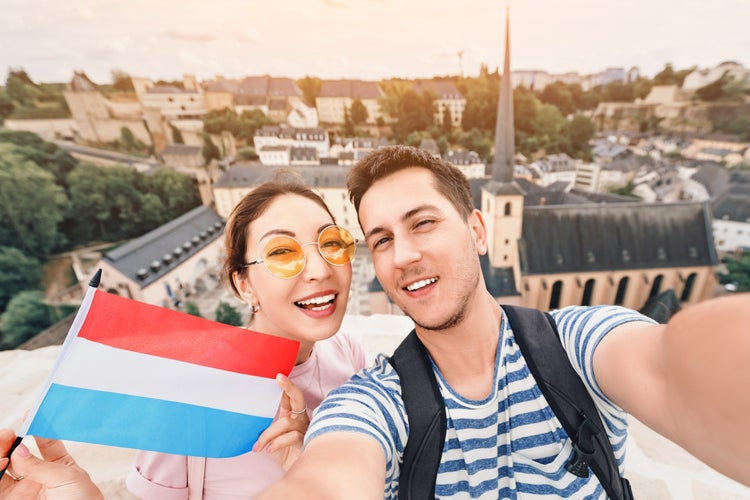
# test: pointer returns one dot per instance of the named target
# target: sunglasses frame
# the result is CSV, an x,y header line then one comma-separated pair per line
x,y
304,256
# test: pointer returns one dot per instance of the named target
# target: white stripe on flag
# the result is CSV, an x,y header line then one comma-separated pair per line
x,y
92,365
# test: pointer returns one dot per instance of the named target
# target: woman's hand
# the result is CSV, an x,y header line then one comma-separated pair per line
x,y
283,438
56,477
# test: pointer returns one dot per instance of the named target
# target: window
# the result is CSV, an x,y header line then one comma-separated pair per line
x,y
588,291
688,287
554,300
656,286
507,208
622,287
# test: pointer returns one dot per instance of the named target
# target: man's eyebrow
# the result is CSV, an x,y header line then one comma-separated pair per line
x,y
406,216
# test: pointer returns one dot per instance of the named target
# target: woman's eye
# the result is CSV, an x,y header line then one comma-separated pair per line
x,y
279,251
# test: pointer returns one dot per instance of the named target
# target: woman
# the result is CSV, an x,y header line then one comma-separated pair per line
x,y
291,264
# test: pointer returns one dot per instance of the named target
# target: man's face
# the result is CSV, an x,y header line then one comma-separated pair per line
x,y
425,253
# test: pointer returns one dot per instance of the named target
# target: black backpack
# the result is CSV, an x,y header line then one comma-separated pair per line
x,y
539,341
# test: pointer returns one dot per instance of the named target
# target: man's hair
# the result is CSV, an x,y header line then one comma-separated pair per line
x,y
449,180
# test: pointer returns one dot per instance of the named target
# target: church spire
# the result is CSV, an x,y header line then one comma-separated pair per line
x,y
502,165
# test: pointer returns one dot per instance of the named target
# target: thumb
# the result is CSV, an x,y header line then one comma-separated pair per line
x,y
71,481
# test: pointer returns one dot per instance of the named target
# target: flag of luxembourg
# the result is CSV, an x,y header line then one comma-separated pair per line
x,y
139,376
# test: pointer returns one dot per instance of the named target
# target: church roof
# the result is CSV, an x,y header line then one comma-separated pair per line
x,y
580,238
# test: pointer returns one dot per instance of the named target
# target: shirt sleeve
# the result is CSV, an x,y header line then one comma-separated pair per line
x,y
158,476
369,403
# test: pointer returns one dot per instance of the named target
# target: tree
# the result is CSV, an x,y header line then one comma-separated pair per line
x,y
228,315
193,309
580,130
348,128
6,107
559,94
247,153
714,90
310,87
122,82
446,125
31,205
210,151
27,315
738,272
358,112
18,272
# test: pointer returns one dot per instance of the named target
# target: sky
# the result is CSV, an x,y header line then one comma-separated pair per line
x,y
366,39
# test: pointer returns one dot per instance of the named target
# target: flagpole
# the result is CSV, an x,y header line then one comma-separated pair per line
x,y
93,285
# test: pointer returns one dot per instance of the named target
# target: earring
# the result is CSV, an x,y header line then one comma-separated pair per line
x,y
254,308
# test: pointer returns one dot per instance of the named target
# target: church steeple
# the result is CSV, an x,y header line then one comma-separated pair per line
x,y
502,165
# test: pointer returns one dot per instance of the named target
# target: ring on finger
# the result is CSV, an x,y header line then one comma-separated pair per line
x,y
299,412
9,471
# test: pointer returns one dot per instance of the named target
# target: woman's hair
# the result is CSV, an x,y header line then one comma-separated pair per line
x,y
252,206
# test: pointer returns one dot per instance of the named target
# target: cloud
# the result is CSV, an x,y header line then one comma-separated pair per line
x,y
186,36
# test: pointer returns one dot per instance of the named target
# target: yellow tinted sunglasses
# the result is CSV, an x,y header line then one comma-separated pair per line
x,y
284,256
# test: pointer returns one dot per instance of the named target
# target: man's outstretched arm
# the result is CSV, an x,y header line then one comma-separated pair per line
x,y
337,465
689,379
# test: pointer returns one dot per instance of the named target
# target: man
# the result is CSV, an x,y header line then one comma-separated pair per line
x,y
687,380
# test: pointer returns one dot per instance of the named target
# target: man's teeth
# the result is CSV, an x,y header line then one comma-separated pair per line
x,y
419,284
317,301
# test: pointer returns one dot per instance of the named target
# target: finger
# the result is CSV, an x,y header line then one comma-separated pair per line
x,y
293,439
51,475
7,437
280,427
53,450
295,401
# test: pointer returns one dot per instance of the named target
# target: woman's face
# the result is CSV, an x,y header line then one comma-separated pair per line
x,y
310,306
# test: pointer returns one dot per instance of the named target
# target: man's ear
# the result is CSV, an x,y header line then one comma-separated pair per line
x,y
478,231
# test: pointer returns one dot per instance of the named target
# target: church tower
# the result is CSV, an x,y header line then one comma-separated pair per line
x,y
502,198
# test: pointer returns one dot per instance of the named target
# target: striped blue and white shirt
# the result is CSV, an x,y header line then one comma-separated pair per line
x,y
508,445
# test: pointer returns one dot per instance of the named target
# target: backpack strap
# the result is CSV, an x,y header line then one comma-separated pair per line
x,y
537,337
425,411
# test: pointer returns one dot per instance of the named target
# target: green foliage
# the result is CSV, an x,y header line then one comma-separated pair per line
x,y
446,125
560,95
358,112
27,315
580,131
712,91
738,272
114,203
481,102
193,309
31,204
626,190
18,272
122,82
210,151
228,314
738,126
6,107
478,141
668,76
247,153
242,127
348,128
310,87
130,143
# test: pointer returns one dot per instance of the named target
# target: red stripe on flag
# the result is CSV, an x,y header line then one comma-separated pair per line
x,y
139,327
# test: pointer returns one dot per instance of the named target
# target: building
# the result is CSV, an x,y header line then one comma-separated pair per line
x,y
550,248
165,266
269,141
447,97
337,96
100,119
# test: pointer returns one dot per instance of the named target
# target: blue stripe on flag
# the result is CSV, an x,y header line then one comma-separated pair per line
x,y
75,414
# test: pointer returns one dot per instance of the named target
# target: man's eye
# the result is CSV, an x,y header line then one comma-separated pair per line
x,y
380,242
424,222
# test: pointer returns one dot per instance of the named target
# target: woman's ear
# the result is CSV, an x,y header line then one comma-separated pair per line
x,y
242,285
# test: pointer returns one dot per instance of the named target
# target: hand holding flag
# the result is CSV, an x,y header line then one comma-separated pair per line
x,y
140,376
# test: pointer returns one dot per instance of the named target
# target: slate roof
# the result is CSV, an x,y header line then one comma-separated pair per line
x,y
161,250
579,238
249,174
353,89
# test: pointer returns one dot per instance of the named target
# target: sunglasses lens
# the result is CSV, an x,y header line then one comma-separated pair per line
x,y
337,245
283,256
